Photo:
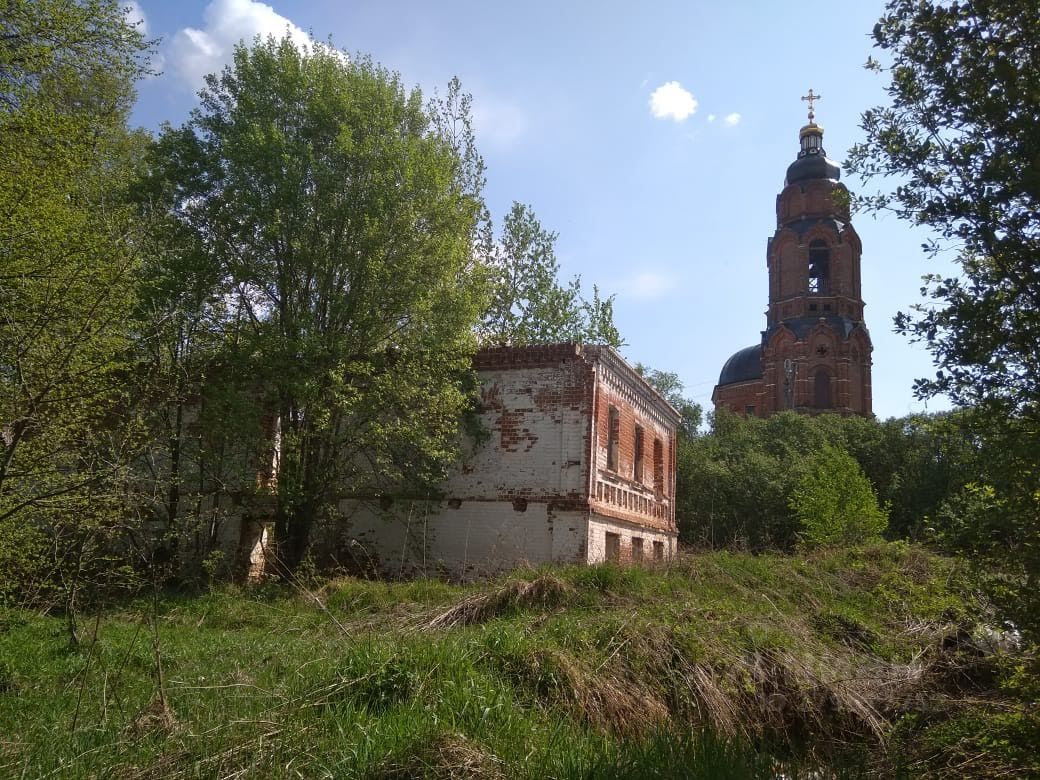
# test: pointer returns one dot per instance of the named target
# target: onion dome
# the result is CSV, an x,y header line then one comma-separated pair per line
x,y
743,366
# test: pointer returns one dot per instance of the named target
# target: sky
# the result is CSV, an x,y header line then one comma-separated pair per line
x,y
653,137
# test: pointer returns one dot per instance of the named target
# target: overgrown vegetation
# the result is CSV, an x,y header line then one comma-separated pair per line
x,y
959,134
306,267
872,660
736,483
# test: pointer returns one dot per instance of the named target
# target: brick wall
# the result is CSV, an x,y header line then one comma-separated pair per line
x,y
535,417
600,526
621,492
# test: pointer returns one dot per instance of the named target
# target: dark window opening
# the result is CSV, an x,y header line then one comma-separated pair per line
x,y
822,389
749,411
637,469
637,548
658,466
519,504
819,268
613,547
658,551
613,434
826,307
812,306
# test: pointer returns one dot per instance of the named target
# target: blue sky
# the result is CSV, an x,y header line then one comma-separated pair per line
x,y
665,202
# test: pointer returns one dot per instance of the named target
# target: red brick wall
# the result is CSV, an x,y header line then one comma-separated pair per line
x,y
622,493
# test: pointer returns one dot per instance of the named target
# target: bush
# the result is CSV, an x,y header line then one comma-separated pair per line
x,y
834,502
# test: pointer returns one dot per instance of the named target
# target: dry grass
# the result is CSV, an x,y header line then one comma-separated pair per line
x,y
445,757
613,699
544,591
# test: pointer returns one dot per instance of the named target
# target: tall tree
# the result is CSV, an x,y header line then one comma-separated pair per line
x,y
340,217
961,134
529,304
67,263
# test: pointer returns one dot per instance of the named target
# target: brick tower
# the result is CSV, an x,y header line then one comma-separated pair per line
x,y
814,355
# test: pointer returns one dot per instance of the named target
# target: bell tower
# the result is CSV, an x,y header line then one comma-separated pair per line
x,y
814,355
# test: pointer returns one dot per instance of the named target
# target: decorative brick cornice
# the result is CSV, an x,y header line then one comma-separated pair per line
x,y
632,386
630,382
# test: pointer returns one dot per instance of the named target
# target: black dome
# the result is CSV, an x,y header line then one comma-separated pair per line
x,y
813,166
743,366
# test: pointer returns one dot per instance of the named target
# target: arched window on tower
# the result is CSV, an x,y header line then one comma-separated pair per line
x,y
822,389
819,268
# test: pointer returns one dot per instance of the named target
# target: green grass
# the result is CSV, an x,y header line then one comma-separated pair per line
x,y
718,665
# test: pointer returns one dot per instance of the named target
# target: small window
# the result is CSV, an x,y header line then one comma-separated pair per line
x,y
749,411
826,307
658,551
613,434
812,307
613,547
637,548
637,468
819,268
658,466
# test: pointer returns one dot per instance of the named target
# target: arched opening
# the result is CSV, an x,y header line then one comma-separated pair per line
x,y
822,389
819,268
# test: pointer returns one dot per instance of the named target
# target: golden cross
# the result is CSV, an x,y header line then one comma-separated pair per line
x,y
811,97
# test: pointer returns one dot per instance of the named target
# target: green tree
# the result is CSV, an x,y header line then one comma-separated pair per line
x,y
67,267
960,134
739,478
528,303
834,502
340,216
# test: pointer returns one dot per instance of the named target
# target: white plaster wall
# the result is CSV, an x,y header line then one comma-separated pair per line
x,y
599,525
569,535
536,420
475,539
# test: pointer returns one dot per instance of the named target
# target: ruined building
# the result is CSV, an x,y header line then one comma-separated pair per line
x,y
576,464
814,355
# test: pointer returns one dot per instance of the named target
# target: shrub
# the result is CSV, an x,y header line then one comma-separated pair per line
x,y
834,502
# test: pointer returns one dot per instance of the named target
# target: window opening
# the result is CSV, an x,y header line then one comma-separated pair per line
x,y
637,548
613,547
658,466
637,469
658,551
613,434
819,267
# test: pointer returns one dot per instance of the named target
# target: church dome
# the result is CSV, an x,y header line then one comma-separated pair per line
x,y
812,162
814,167
743,366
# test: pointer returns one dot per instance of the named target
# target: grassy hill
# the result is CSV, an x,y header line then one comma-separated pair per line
x,y
846,663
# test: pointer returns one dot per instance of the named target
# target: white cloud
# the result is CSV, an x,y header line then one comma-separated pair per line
x,y
731,120
498,123
671,101
711,117
195,52
649,284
